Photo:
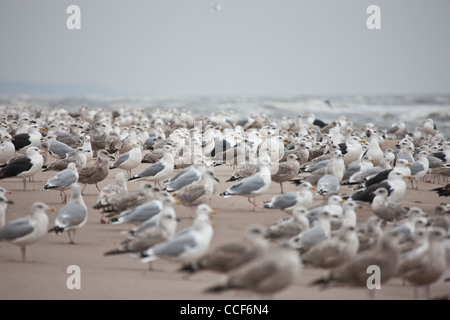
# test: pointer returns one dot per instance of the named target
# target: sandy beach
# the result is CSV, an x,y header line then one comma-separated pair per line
x,y
45,274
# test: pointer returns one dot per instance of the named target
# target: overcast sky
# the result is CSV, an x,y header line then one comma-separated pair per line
x,y
250,47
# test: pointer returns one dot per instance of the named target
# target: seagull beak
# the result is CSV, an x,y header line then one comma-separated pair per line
x,y
409,165
43,129
43,152
214,211
52,209
314,187
10,192
176,200
408,177
362,141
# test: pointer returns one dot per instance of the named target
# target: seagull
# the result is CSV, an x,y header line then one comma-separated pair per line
x,y
188,245
252,186
288,228
395,185
233,254
128,202
112,193
129,160
426,264
289,200
200,191
162,232
142,212
419,168
385,209
23,141
95,172
184,177
286,171
328,182
3,205
27,230
314,235
63,180
159,170
79,158
274,271
7,149
401,165
334,252
72,215
24,166
57,148
385,255
398,128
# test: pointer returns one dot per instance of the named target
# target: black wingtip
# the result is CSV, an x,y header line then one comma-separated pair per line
x,y
56,230
187,268
216,289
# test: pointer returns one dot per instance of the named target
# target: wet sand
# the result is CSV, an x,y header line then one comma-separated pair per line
x,y
45,274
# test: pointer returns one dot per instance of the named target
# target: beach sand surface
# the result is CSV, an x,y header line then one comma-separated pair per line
x,y
44,275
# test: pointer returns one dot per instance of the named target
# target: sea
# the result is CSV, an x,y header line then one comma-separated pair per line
x,y
381,110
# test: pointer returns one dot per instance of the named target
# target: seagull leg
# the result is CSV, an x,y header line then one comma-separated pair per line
x,y
22,251
281,186
97,188
102,221
84,187
24,184
70,232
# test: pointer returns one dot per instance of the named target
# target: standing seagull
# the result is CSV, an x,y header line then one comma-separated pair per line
x,y
96,172
286,170
72,216
254,185
188,245
112,193
24,166
23,141
271,273
26,230
129,160
63,180
159,170
419,168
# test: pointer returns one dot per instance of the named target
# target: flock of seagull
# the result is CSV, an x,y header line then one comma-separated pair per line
x,y
182,152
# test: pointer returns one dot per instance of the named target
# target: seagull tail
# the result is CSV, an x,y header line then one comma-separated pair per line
x,y
218,288
56,230
114,252
47,187
114,220
98,206
323,283
146,256
296,182
233,178
267,205
136,177
225,194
